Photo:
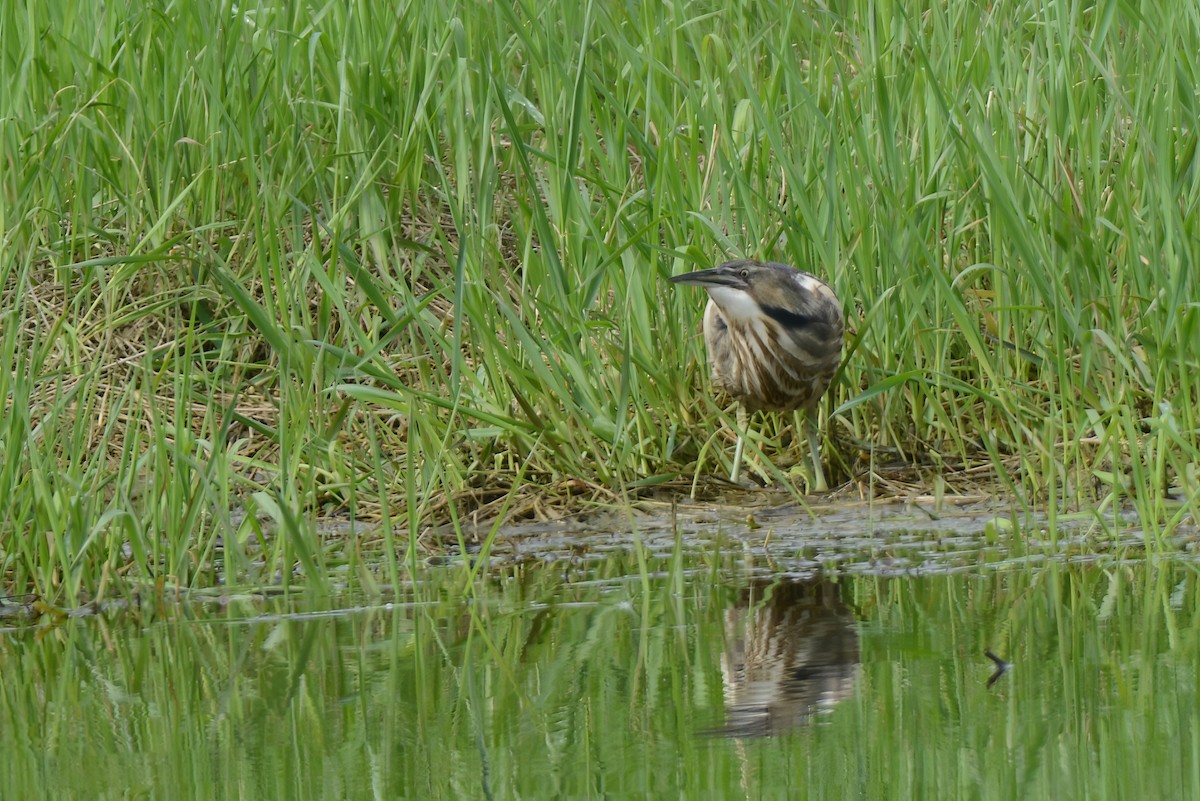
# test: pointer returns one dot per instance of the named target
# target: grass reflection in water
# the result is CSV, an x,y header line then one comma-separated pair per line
x,y
553,680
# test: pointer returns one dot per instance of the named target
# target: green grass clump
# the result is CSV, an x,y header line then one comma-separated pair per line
x,y
410,262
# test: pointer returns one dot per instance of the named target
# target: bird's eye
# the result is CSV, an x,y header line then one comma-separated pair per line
x,y
745,273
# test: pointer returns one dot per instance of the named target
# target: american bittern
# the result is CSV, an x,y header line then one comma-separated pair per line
x,y
774,337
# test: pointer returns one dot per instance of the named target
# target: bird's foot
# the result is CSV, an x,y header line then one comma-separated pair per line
x,y
814,479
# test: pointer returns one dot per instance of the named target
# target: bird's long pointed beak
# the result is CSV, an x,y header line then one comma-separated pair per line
x,y
717,276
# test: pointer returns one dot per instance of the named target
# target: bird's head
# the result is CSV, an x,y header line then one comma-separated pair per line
x,y
750,292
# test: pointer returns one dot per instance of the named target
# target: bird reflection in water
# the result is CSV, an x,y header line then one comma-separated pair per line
x,y
791,652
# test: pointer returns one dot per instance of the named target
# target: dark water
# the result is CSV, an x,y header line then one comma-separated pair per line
x,y
785,670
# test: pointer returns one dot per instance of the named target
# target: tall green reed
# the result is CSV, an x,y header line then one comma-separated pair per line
x,y
365,257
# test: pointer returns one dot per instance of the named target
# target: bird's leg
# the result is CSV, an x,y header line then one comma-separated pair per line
x,y
810,468
743,423
814,451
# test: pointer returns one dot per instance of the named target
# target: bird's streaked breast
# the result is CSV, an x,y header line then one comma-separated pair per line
x,y
773,362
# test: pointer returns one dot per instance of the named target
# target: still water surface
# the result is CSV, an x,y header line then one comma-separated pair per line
x,y
732,671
